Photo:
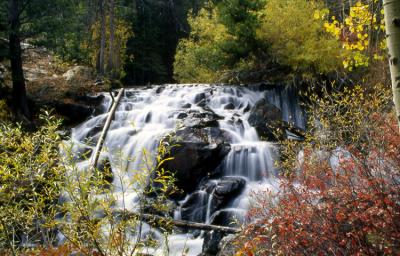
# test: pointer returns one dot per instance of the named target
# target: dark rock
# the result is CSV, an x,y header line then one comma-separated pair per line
x,y
201,119
225,190
187,105
199,153
229,187
202,103
247,108
194,208
221,192
90,100
228,217
160,89
267,119
211,242
74,112
199,97
148,117
181,116
229,106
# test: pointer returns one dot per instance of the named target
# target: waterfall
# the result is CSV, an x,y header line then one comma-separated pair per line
x,y
145,115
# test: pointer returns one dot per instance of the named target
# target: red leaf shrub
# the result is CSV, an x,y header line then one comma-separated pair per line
x,y
345,197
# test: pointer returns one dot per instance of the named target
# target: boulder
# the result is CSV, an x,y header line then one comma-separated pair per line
x,y
228,187
267,120
199,97
200,119
199,152
79,72
74,112
221,192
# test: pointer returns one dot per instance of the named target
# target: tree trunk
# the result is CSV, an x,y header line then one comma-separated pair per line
x,y
19,99
102,37
111,51
392,24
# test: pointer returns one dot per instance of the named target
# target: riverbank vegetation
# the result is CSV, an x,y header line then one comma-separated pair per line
x,y
340,194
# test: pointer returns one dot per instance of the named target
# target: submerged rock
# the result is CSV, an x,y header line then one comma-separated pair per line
x,y
211,196
194,208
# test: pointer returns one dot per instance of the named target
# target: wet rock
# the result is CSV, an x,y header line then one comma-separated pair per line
x,y
211,243
202,103
160,89
229,187
224,189
227,246
148,117
229,106
228,217
187,105
201,119
200,152
199,97
247,108
181,116
267,119
221,192
74,112
194,208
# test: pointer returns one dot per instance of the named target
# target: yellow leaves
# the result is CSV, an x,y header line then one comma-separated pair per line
x,y
353,34
317,15
345,63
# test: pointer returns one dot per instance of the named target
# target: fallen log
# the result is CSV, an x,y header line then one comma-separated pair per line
x,y
177,223
100,142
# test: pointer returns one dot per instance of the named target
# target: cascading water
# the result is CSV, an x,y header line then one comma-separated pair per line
x,y
145,115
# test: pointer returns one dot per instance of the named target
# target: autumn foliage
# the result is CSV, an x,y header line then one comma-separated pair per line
x,y
344,197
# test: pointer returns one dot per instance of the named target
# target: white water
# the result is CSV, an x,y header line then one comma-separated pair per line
x,y
145,115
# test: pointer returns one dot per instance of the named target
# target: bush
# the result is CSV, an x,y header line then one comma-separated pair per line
x,y
344,198
30,178
45,196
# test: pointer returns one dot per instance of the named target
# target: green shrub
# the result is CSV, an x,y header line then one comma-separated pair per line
x,y
30,178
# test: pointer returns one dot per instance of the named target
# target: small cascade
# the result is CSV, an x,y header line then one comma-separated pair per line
x,y
145,115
